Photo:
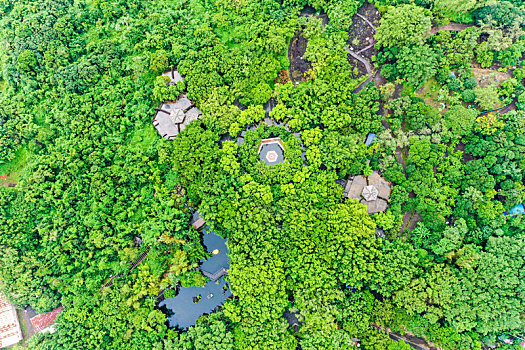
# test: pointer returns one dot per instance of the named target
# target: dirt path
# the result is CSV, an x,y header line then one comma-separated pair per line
x,y
457,27
400,159
26,315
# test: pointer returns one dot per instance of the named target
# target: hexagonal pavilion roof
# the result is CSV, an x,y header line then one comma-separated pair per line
x,y
271,151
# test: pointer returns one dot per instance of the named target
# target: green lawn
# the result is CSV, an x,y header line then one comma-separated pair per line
x,y
143,138
14,167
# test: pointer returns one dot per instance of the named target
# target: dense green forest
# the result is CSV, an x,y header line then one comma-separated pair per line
x,y
85,174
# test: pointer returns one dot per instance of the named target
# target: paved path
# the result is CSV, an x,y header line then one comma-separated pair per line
x,y
26,315
367,65
367,21
456,27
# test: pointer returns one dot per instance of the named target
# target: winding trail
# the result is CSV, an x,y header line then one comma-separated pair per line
x,y
367,21
360,59
370,71
457,27
366,47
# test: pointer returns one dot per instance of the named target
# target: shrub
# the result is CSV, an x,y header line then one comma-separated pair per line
x,y
389,71
454,84
468,95
470,83
442,75
487,97
403,25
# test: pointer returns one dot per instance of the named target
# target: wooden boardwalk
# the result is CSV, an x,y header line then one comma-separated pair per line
x,y
134,265
215,276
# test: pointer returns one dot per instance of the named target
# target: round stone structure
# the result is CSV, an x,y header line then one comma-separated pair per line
x,y
271,151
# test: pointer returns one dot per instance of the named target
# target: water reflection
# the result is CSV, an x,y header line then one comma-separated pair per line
x,y
190,303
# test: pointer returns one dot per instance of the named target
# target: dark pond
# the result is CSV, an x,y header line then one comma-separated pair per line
x,y
190,303
183,312
215,262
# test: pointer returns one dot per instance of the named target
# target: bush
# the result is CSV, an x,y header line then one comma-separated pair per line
x,y
454,84
503,13
442,75
521,101
484,56
508,87
511,55
158,61
389,71
487,97
192,278
470,83
170,293
468,96
417,64
519,73
403,25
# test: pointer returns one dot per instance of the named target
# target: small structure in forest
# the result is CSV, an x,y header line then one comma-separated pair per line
x,y
173,116
369,193
197,221
271,151
517,210
218,263
45,322
174,76
373,191
10,331
370,138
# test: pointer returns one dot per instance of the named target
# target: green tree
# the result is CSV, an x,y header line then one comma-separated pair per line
x,y
403,25
417,64
460,120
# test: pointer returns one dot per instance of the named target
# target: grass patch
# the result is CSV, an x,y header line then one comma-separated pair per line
x,y
143,138
430,93
14,167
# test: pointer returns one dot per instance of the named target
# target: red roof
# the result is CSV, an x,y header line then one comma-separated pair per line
x,y
42,321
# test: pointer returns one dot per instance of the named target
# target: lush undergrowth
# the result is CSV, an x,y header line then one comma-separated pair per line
x,y
80,81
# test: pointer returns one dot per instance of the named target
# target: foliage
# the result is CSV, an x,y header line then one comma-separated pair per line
x,y
416,64
90,178
488,123
487,98
403,25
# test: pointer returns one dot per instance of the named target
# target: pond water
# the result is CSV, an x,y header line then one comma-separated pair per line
x,y
183,312
214,263
190,303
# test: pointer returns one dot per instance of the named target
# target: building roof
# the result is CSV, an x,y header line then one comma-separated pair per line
x,y
174,76
218,263
271,151
173,116
517,210
10,332
383,187
373,191
43,321
370,138
369,193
